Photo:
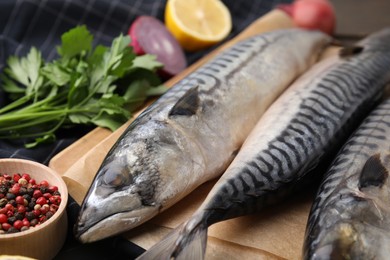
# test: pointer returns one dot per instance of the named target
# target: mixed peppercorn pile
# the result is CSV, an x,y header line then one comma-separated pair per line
x,y
25,203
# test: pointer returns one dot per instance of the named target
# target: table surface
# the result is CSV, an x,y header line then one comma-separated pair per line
x,y
360,17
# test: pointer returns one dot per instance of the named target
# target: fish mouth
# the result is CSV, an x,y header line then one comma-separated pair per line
x,y
112,225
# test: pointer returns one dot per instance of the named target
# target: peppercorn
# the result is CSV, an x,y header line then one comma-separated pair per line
x,y
44,184
21,209
3,218
49,214
27,197
13,203
18,224
3,202
10,196
22,181
19,215
19,199
41,201
3,189
34,222
24,228
26,176
53,189
30,191
24,203
31,205
11,220
22,190
47,195
30,215
16,177
37,194
5,226
12,230
43,189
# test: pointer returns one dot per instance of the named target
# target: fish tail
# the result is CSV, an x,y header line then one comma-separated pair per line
x,y
188,241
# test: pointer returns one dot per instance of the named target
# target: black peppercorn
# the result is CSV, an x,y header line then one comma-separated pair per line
x,y
22,191
11,220
33,222
30,215
10,196
30,191
13,202
12,230
27,197
49,214
18,216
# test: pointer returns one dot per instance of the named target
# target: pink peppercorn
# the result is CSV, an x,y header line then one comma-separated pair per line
x,y
3,218
47,195
41,201
16,177
21,209
26,176
19,199
37,194
15,188
26,223
56,199
44,183
5,226
53,189
18,224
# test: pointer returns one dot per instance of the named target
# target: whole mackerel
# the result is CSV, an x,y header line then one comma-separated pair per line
x,y
350,218
193,132
305,125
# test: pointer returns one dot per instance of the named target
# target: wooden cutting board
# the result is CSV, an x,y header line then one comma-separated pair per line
x,y
275,234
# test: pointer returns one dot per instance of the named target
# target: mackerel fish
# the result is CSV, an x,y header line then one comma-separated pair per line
x,y
192,133
299,131
350,217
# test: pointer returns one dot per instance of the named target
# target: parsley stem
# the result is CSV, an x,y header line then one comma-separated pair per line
x,y
17,103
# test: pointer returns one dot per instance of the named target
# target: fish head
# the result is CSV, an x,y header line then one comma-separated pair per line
x,y
358,222
133,184
349,240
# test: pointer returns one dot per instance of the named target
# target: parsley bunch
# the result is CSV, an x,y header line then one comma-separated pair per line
x,y
85,85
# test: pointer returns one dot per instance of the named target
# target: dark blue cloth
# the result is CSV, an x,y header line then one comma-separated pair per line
x,y
40,23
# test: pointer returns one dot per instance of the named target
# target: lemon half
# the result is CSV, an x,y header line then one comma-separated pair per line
x,y
197,24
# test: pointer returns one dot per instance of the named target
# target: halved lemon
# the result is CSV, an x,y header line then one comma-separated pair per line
x,y
197,24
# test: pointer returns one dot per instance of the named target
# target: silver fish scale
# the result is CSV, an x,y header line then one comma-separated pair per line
x,y
340,185
220,69
329,109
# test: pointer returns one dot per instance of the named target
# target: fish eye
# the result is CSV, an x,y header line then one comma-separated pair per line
x,y
116,176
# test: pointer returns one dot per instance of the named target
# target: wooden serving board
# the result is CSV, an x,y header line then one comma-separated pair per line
x,y
275,234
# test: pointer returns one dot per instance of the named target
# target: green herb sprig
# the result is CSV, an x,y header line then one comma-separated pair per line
x,y
85,85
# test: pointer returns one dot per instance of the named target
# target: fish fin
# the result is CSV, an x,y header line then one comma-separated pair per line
x,y
182,243
349,51
374,173
187,105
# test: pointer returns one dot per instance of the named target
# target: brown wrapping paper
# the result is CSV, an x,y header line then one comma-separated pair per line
x,y
276,233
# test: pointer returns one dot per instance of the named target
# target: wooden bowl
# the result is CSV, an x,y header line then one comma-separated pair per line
x,y
43,241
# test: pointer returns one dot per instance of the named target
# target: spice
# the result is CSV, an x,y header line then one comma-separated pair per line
x,y
24,203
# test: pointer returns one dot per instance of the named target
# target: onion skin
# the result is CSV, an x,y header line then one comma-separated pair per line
x,y
312,14
150,36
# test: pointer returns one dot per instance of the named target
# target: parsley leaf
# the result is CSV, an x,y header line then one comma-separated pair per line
x,y
85,85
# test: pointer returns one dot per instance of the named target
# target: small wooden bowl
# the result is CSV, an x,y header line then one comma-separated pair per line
x,y
43,241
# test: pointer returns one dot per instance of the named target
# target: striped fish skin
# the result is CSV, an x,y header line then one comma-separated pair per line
x,y
350,218
300,128
193,132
